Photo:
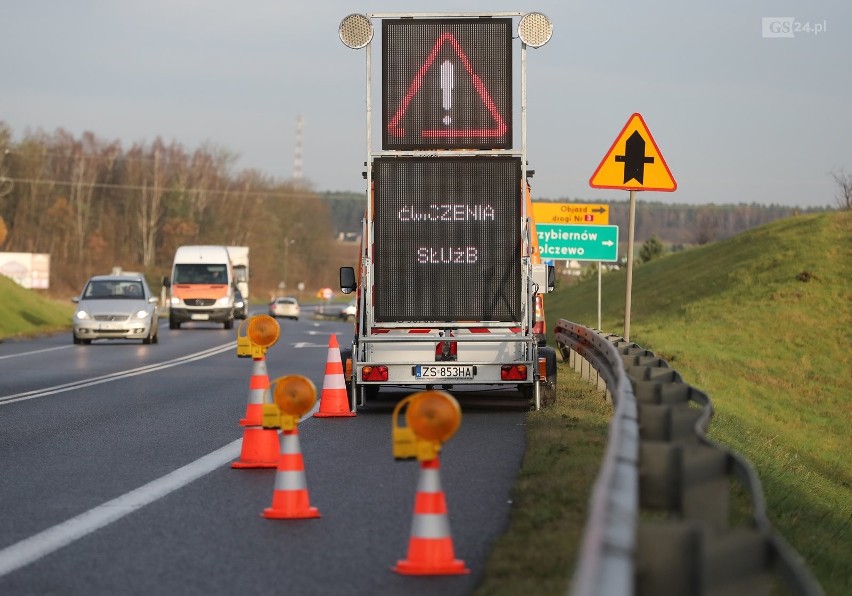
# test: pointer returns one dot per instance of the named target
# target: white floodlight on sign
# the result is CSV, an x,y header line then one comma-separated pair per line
x,y
535,29
356,31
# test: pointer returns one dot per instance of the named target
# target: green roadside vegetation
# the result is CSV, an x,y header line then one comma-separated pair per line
x,y
760,322
25,313
564,449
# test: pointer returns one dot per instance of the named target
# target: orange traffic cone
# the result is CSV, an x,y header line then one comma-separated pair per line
x,y
430,548
290,497
260,445
334,401
258,385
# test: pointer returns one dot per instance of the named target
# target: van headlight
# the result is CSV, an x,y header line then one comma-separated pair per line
x,y
174,301
224,301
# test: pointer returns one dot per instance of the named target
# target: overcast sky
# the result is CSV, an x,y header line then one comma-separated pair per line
x,y
738,117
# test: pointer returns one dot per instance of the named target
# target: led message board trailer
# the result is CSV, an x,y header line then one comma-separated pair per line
x,y
446,84
447,238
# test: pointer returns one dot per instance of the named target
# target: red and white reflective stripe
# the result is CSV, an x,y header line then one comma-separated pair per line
x,y
290,480
430,525
334,378
290,497
258,389
430,505
456,331
259,382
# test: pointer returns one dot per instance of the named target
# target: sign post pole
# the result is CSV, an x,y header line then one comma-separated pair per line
x,y
599,295
632,220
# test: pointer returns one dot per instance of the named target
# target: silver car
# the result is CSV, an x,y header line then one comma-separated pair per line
x,y
349,311
285,306
115,307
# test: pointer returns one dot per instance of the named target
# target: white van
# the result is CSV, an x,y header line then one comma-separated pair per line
x,y
201,287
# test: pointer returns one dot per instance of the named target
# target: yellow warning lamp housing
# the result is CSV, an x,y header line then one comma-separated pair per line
x,y
431,418
294,396
262,332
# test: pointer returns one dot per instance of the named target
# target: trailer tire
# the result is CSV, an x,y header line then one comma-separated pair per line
x,y
548,387
346,354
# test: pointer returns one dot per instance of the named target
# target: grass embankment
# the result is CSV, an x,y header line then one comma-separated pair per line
x,y
565,446
24,313
761,323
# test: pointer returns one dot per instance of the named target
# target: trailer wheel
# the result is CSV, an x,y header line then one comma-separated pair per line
x,y
346,354
548,387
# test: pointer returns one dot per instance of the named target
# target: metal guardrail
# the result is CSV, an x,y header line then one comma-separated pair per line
x,y
660,510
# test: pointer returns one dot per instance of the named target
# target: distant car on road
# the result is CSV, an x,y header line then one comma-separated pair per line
x,y
115,307
349,311
240,306
285,306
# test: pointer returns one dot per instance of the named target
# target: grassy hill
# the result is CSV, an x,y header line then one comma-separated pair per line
x,y
761,323
27,312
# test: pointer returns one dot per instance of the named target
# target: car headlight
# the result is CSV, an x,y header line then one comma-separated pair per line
x,y
141,314
81,314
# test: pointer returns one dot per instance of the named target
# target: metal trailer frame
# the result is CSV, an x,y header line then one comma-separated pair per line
x,y
365,343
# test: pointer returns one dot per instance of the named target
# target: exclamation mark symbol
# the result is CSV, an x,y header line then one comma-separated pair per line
x,y
447,73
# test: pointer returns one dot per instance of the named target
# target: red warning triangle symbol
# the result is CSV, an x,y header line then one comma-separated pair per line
x,y
499,129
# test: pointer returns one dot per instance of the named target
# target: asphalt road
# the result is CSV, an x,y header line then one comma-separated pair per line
x,y
115,475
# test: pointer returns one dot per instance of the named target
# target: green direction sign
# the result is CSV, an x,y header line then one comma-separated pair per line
x,y
578,242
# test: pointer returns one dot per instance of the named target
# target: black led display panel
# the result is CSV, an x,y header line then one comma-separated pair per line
x,y
447,239
446,84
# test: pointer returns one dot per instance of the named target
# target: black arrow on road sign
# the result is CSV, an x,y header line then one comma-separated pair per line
x,y
599,210
634,158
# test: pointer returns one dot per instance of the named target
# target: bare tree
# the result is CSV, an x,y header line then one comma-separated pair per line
x,y
82,156
32,198
706,226
149,173
844,184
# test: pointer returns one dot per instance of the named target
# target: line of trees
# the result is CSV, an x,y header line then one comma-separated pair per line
x,y
93,205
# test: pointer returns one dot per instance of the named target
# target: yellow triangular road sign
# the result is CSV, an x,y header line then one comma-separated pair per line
x,y
634,162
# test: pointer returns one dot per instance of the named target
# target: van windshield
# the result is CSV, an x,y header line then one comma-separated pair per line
x,y
200,274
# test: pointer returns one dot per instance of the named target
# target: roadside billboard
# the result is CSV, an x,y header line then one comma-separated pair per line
x,y
30,270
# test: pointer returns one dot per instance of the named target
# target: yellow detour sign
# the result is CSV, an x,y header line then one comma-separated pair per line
x,y
294,396
262,332
634,162
432,417
571,213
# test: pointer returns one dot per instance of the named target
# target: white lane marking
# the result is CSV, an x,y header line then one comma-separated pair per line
x,y
39,545
35,352
48,349
30,550
142,370
304,344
